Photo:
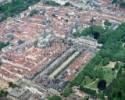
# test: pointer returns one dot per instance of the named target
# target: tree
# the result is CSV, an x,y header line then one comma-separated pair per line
x,y
2,45
99,73
96,35
116,90
54,98
14,8
105,61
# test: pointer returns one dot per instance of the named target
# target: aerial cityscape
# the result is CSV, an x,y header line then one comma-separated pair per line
x,y
62,49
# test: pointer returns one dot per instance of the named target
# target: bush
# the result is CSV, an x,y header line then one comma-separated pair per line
x,y
107,23
52,3
3,93
11,84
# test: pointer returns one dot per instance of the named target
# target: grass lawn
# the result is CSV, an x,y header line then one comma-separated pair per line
x,y
87,80
93,85
108,75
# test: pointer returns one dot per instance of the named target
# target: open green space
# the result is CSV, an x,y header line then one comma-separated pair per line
x,y
14,8
101,73
92,85
108,75
100,67
87,80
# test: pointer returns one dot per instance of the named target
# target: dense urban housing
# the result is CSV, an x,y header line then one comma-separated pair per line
x,y
62,49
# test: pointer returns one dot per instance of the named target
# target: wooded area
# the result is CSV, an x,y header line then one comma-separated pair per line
x,y
14,8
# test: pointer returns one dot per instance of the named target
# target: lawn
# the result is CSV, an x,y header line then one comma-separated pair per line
x,y
108,75
87,80
93,85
